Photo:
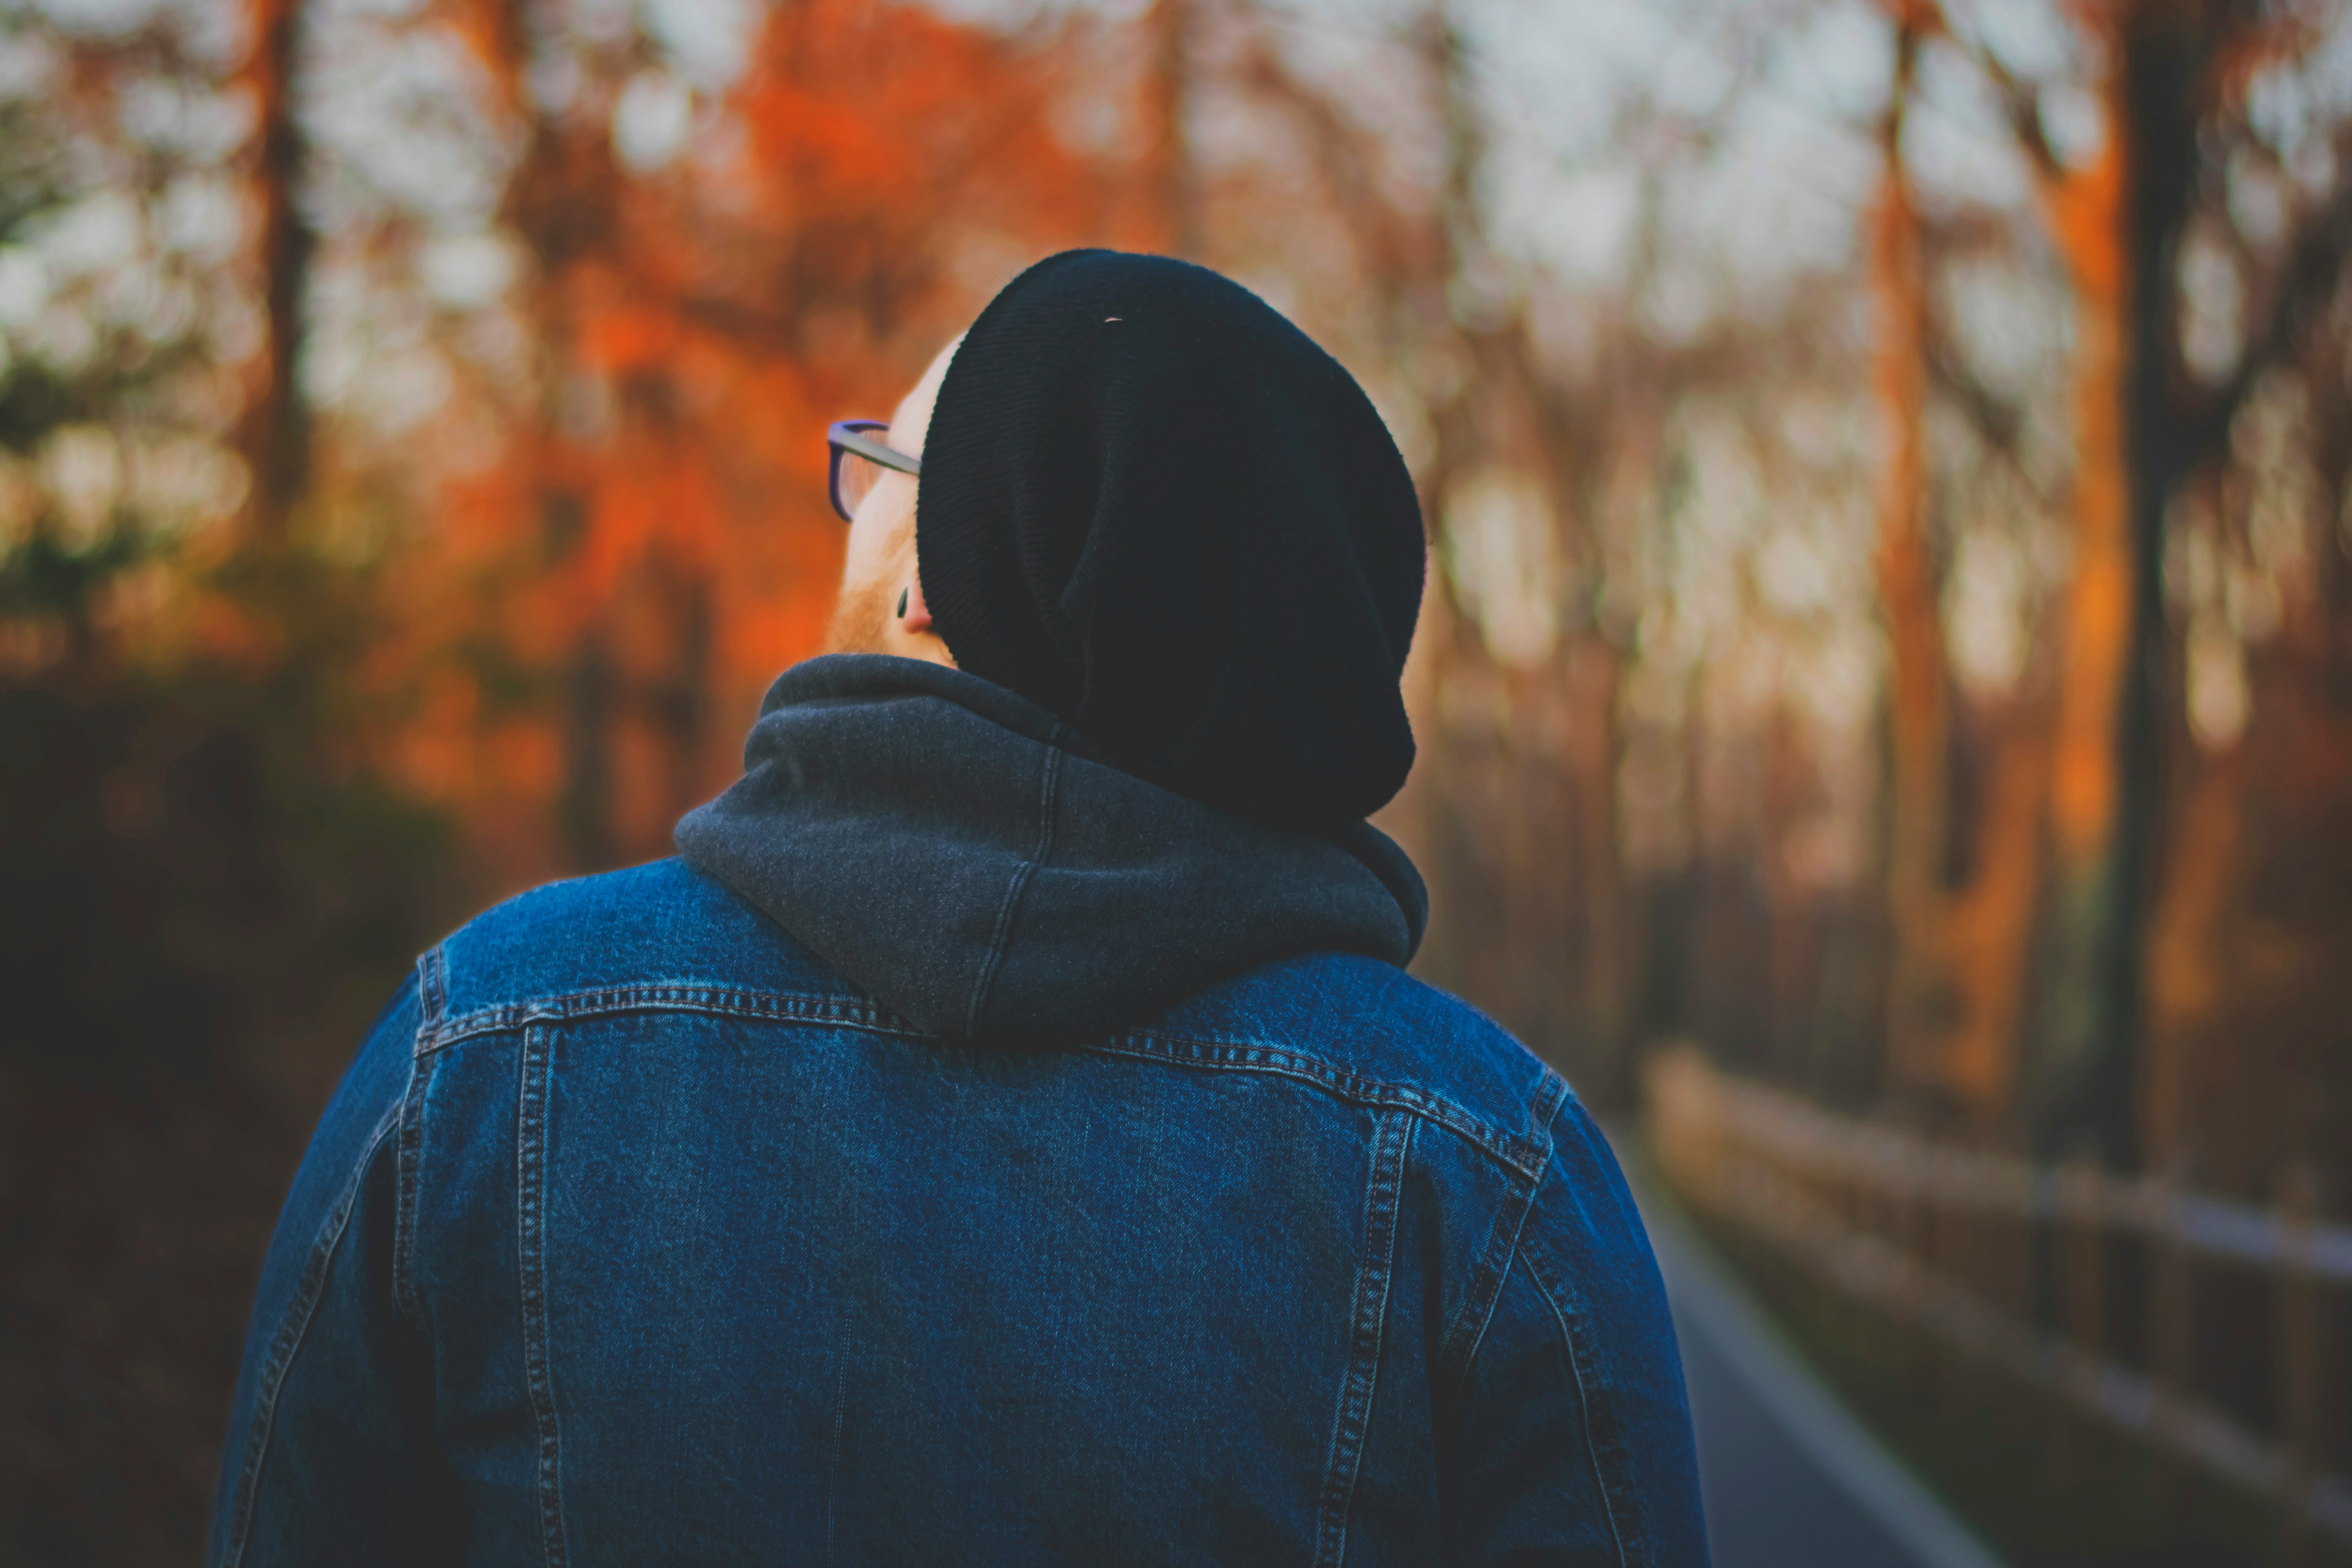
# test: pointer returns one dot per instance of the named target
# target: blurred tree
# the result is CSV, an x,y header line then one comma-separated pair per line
x,y
172,790
1920,990
693,326
2168,74
276,427
201,898
1960,888
2119,204
1169,166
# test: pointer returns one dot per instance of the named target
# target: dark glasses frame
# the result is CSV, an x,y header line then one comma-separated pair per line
x,y
849,436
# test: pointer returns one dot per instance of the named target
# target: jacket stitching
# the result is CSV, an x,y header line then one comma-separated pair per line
x,y
291,1330
433,985
1521,1155
531,1197
1551,1094
1459,1350
410,1142
409,1146
1390,1147
669,996
1524,1156
1495,1259
1601,1474
986,978
1449,1381
840,1411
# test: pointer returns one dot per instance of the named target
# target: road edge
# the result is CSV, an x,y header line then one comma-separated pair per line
x,y
1704,1290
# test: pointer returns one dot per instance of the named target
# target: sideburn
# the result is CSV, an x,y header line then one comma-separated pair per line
x,y
860,617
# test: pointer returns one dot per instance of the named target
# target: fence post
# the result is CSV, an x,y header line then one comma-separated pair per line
x,y
1945,1262
2017,1256
1812,1181
2170,1342
2294,1356
2080,1245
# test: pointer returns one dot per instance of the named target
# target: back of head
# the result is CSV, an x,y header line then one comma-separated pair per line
x,y
1154,507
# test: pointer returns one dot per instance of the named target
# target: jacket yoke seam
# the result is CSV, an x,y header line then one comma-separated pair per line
x,y
670,996
291,1330
1524,1157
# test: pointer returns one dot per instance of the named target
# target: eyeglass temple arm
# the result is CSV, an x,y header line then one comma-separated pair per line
x,y
874,451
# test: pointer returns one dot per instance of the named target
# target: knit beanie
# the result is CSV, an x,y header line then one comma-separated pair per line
x,y
1154,507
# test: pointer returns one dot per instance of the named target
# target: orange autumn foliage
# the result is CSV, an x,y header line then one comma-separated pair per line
x,y
654,529
2087,217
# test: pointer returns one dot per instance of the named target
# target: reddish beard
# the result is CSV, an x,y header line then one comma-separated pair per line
x,y
860,617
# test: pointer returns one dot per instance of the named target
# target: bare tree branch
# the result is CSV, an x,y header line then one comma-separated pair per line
x,y
2314,263
2021,99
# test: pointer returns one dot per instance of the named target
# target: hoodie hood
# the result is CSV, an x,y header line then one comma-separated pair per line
x,y
962,855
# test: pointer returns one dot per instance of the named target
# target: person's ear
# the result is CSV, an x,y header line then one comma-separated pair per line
x,y
913,613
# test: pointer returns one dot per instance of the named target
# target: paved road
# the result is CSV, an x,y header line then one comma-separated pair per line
x,y
1792,1480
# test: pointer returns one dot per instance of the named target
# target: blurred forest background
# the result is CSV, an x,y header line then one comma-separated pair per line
x,y
1888,467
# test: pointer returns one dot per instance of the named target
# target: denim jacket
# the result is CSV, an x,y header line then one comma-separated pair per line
x,y
638,1232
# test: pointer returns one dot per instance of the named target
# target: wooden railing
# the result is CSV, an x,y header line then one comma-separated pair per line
x,y
1984,1251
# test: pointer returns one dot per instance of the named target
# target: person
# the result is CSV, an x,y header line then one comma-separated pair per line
x,y
1006,1132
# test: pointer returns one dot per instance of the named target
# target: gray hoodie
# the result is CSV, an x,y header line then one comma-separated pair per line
x,y
968,860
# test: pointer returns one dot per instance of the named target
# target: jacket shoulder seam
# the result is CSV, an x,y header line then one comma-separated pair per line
x,y
1584,1404
1492,1276
1457,1352
292,1329
1617,1501
409,1140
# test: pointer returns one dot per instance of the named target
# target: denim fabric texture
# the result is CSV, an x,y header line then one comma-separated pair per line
x,y
674,1217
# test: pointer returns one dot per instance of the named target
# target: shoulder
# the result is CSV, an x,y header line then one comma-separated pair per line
x,y
1372,1031
1590,1301
654,935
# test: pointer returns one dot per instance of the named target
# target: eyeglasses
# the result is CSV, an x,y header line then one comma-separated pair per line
x,y
858,462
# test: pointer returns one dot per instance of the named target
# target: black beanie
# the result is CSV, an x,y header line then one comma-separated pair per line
x,y
1154,507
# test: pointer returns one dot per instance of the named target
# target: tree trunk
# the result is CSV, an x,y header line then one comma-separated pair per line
x,y
584,811
1919,1003
1609,948
1170,171
2118,224
683,706
2078,1037
559,201
2189,948
1987,929
274,433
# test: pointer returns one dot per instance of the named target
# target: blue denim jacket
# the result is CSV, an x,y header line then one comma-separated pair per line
x,y
637,1234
